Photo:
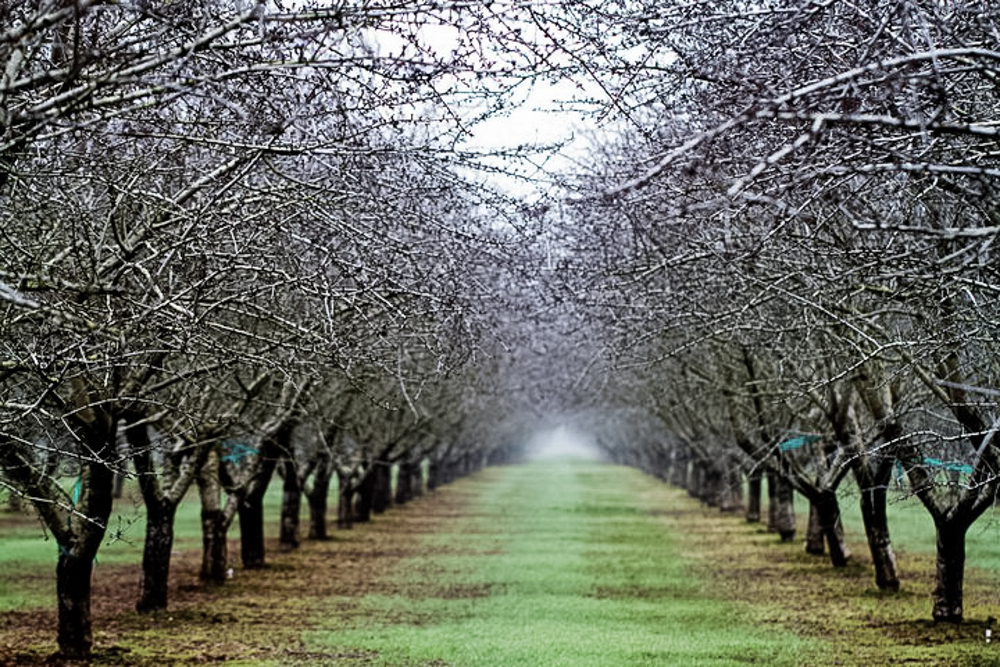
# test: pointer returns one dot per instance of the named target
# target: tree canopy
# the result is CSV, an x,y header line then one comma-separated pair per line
x,y
767,247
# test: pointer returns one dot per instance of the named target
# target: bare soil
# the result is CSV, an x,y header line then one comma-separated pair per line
x,y
257,615
788,588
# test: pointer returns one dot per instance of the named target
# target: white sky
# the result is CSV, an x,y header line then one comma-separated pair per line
x,y
543,115
539,120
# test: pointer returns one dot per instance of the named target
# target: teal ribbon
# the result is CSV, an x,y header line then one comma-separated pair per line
x,y
77,490
237,451
74,496
952,466
796,442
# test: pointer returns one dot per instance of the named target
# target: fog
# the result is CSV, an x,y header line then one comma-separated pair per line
x,y
562,443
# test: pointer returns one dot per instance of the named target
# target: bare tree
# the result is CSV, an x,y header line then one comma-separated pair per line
x,y
836,190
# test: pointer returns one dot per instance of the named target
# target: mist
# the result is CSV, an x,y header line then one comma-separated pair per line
x,y
562,442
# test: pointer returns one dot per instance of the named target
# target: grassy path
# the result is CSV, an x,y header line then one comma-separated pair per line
x,y
555,563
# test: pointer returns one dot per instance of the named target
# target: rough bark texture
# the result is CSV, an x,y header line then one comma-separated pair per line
x,y
82,535
251,506
160,512
815,541
873,476
76,564
317,498
948,592
215,547
251,517
214,525
74,570
832,527
876,522
162,488
156,556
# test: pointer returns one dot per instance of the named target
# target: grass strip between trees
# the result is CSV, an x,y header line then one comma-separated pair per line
x,y
558,564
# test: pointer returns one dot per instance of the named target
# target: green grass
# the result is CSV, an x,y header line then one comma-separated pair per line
x,y
558,564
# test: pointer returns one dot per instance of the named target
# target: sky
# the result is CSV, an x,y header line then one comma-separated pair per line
x,y
539,120
543,112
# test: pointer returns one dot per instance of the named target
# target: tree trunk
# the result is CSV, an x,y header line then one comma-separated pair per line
x,y
404,482
731,494
250,510
345,501
830,522
815,540
679,470
781,508
836,542
291,507
214,547
772,503
712,481
382,491
74,572
753,497
119,486
160,511
366,495
82,539
251,516
947,594
696,481
873,514
78,527
417,479
251,507
433,475
156,555
317,497
214,527
75,567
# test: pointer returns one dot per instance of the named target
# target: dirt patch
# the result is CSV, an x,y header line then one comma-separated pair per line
x,y
780,585
632,593
257,615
